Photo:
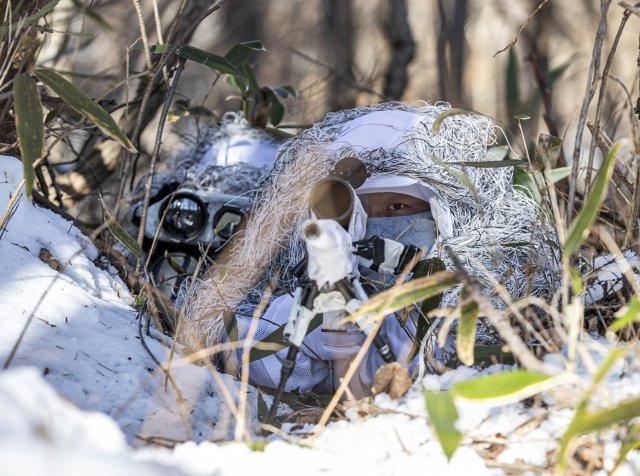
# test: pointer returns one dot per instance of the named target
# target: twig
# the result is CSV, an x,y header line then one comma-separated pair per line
x,y
603,85
352,83
632,9
143,33
153,76
522,27
154,156
594,68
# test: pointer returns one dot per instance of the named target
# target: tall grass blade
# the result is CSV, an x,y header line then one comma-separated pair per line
x,y
84,105
29,126
579,228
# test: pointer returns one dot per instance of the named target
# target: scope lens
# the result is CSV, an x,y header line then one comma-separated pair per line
x,y
185,216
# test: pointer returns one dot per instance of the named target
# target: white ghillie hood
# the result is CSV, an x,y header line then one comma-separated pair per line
x,y
227,158
497,232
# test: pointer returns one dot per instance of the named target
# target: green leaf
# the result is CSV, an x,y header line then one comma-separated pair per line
x,y
435,128
491,164
518,383
532,181
626,448
586,422
173,263
627,315
240,52
121,234
579,228
252,86
29,125
276,111
31,19
84,105
576,280
556,73
498,152
211,60
443,416
466,339
425,267
399,297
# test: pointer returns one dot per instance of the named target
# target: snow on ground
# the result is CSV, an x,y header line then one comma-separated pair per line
x,y
80,388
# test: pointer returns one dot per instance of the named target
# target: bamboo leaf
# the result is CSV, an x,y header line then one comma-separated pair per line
x,y
31,19
443,416
84,105
579,228
435,128
586,422
29,126
399,297
505,384
211,60
627,315
497,153
121,234
241,51
466,339
425,267
491,164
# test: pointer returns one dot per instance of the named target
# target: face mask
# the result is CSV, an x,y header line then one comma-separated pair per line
x,y
418,229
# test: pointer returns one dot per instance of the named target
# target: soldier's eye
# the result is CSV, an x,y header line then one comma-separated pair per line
x,y
396,206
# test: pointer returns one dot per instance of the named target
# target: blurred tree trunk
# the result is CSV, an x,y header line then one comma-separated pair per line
x,y
451,49
340,31
402,49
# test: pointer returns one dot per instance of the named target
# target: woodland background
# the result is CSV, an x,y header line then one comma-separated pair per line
x,y
336,53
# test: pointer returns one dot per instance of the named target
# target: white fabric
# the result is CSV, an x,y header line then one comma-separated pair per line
x,y
314,363
239,149
414,188
378,130
329,252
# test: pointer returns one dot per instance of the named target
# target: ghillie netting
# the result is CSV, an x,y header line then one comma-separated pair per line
x,y
498,233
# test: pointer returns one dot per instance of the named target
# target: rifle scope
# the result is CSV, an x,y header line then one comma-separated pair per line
x,y
332,198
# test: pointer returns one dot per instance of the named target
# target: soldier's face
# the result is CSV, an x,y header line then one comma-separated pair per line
x,y
391,204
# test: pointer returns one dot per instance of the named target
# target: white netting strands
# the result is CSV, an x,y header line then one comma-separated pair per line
x,y
497,231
